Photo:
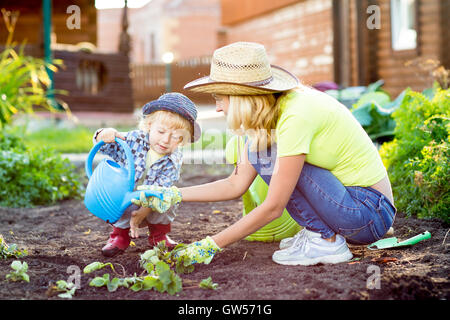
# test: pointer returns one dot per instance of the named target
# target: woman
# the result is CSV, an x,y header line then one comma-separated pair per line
x,y
318,161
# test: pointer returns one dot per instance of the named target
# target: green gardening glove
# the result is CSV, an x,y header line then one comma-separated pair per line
x,y
202,251
171,196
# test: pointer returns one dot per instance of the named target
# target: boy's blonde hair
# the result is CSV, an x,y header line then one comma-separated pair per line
x,y
255,116
171,119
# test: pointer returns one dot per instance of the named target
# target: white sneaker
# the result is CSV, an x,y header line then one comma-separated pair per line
x,y
288,242
314,250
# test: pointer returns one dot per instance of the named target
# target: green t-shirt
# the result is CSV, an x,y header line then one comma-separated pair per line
x,y
313,123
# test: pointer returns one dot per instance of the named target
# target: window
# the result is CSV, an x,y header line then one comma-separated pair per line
x,y
403,24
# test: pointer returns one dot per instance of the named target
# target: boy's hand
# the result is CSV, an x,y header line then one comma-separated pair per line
x,y
171,196
109,135
202,251
137,217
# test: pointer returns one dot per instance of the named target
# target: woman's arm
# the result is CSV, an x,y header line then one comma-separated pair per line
x,y
226,189
285,176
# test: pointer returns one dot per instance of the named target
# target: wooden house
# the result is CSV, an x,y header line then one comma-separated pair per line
x,y
350,42
94,81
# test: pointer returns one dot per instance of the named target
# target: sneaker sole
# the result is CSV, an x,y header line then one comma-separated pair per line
x,y
333,259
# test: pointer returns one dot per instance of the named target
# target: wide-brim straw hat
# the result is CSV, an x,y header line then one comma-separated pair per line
x,y
243,68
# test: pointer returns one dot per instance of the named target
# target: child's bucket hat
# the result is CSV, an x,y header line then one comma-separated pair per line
x,y
243,68
178,103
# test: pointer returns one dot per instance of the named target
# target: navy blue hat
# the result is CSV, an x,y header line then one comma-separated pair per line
x,y
178,103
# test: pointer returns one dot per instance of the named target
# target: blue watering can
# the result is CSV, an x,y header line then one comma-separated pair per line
x,y
110,187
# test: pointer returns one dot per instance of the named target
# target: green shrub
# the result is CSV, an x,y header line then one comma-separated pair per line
x,y
34,176
417,159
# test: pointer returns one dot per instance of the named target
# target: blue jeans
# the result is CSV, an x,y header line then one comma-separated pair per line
x,y
321,203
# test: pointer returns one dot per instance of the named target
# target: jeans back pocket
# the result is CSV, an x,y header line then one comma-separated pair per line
x,y
361,236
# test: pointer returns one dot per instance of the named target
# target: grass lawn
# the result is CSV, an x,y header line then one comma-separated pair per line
x,y
64,140
79,139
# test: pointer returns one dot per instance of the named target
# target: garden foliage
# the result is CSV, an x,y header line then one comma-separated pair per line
x,y
374,109
418,158
34,176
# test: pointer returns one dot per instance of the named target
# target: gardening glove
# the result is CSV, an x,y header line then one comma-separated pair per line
x,y
171,196
202,251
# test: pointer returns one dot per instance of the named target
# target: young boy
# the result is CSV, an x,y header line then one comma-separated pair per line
x,y
166,124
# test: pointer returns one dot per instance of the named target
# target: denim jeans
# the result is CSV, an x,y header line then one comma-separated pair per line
x,y
321,203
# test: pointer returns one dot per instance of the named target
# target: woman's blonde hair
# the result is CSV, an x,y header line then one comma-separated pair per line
x,y
171,119
255,116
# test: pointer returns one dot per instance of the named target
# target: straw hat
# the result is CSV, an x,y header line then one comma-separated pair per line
x,y
243,68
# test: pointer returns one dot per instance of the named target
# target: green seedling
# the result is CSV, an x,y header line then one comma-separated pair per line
x,y
208,284
67,289
97,266
10,251
19,273
158,264
112,284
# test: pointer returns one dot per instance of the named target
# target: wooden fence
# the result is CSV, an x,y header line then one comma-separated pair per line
x,y
149,81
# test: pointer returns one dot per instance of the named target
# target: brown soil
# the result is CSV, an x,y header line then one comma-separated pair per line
x,y
66,234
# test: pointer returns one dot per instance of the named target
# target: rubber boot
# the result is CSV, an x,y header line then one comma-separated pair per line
x,y
119,240
158,232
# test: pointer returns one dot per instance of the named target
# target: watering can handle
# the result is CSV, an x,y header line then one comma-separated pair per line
x,y
129,155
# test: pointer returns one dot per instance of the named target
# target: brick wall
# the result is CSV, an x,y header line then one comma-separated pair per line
x,y
298,37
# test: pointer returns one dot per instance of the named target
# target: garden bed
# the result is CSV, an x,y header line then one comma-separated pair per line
x,y
66,234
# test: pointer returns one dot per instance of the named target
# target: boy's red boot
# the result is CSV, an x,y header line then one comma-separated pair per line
x,y
158,232
119,240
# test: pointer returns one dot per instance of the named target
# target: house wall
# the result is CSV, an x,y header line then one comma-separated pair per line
x,y
186,28
298,37
29,24
391,65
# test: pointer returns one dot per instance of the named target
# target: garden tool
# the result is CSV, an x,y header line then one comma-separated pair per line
x,y
394,243
110,188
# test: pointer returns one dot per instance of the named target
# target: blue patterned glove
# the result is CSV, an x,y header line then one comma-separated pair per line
x,y
171,196
202,251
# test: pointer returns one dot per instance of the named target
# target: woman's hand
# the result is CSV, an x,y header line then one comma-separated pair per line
x,y
202,251
108,135
171,197
137,217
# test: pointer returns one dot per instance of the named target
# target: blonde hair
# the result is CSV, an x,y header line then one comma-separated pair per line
x,y
171,119
255,116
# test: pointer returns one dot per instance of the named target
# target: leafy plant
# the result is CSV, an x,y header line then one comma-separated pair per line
x,y
23,79
374,112
159,274
417,159
208,284
10,251
19,272
112,284
97,266
62,289
34,176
